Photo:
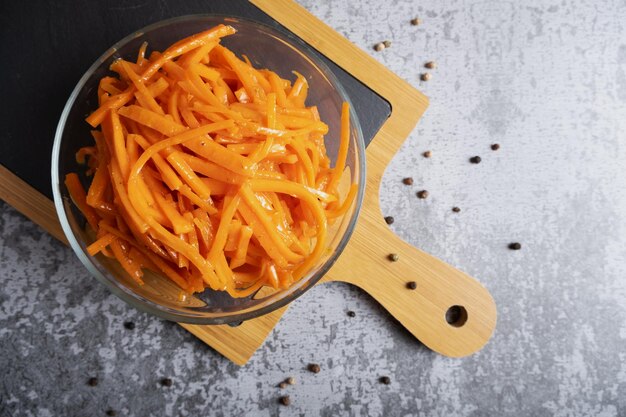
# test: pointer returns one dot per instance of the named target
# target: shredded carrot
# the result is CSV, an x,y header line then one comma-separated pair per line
x,y
77,192
209,171
100,244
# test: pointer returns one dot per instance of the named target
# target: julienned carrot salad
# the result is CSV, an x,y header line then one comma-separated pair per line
x,y
208,170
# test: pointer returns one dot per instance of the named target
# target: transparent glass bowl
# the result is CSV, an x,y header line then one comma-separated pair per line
x,y
266,47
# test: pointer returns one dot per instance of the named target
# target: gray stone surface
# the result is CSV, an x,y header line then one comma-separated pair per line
x,y
546,80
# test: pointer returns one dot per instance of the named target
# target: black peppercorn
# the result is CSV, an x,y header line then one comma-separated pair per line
x,y
315,368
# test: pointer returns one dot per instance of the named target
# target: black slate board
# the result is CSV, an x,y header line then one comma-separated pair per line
x,y
67,37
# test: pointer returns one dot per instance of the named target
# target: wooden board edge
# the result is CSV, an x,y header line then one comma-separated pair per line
x,y
235,356
30,202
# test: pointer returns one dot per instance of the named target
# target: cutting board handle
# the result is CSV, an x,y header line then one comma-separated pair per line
x,y
448,311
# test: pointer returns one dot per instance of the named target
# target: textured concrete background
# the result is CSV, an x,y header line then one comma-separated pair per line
x,y
546,80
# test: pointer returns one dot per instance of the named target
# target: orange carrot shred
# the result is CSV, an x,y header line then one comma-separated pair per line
x,y
210,172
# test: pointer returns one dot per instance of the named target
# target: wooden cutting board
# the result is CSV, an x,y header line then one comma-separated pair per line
x,y
448,311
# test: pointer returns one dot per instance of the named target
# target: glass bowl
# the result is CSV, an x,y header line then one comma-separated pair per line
x,y
266,47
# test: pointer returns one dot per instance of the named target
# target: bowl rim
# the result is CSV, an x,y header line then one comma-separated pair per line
x,y
138,301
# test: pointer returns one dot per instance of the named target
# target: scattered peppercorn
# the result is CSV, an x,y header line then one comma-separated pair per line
x,y
431,65
285,400
411,285
92,382
407,181
495,146
379,46
387,44
416,21
315,368
129,325
456,209
166,382
427,154
426,76
422,194
385,380
393,257
389,219
111,412
475,159
515,246
351,313
282,385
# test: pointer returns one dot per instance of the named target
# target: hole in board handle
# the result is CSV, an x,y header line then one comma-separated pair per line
x,y
456,316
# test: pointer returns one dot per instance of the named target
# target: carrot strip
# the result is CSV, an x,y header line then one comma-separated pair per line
x,y
143,94
84,152
77,192
189,176
205,72
156,121
115,102
195,56
296,144
277,88
169,176
179,223
298,92
332,214
343,148
203,204
172,106
222,231
187,115
119,144
158,87
218,154
131,268
141,55
242,247
124,202
213,170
